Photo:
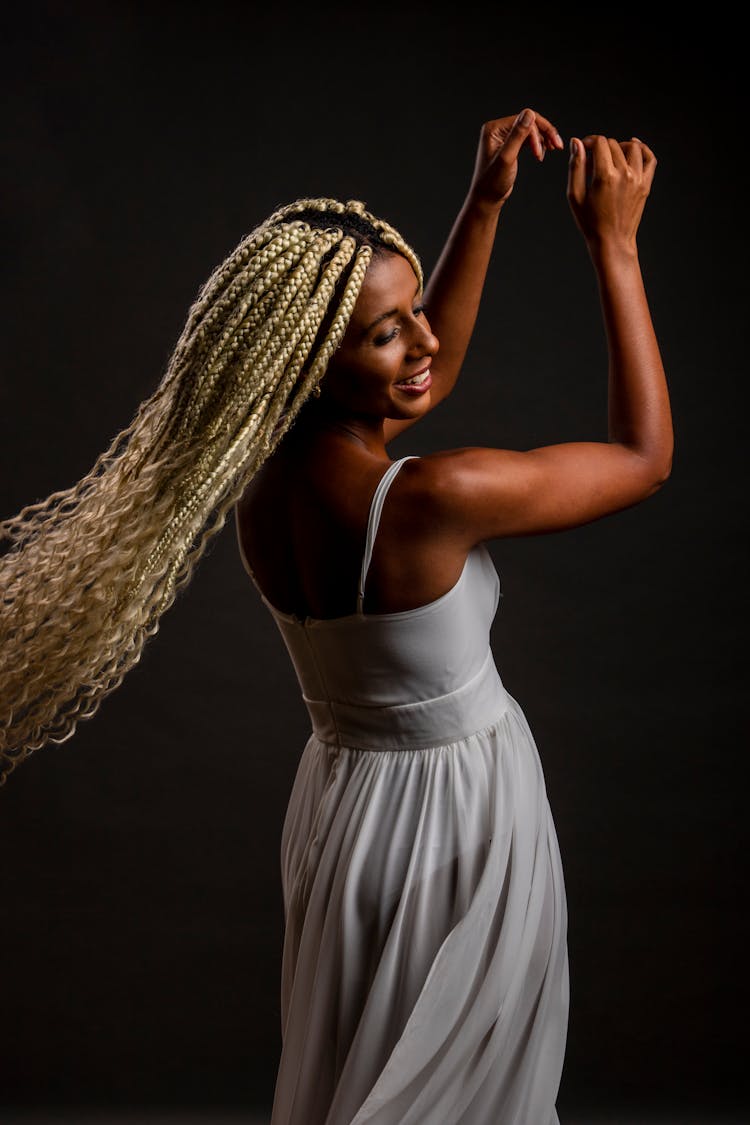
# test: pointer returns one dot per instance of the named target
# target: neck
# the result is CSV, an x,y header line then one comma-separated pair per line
x,y
319,417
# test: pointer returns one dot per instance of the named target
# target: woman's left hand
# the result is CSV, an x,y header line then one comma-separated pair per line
x,y
500,142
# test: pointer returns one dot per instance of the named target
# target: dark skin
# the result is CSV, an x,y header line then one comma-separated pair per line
x,y
302,521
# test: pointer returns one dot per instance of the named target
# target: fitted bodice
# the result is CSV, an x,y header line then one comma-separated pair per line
x,y
404,679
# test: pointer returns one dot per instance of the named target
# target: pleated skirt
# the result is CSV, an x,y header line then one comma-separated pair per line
x,y
425,966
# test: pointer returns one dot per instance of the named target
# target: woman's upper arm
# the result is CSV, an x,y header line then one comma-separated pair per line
x,y
486,493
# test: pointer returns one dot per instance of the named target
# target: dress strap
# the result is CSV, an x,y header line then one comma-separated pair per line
x,y
376,507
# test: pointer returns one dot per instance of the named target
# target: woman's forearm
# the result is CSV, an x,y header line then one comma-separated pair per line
x,y
639,413
454,291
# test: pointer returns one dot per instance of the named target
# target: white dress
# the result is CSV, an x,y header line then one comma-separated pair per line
x,y
425,966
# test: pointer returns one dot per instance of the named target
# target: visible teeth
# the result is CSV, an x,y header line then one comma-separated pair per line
x,y
417,378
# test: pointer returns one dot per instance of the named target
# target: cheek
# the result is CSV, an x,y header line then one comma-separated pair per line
x,y
351,382
376,367
371,378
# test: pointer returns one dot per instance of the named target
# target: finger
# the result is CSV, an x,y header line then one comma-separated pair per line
x,y
649,163
633,154
521,131
618,156
648,155
537,143
548,132
577,171
534,139
601,157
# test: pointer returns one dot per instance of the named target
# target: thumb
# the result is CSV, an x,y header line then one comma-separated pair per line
x,y
519,131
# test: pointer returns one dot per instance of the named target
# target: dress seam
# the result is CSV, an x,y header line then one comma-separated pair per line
x,y
324,684
413,749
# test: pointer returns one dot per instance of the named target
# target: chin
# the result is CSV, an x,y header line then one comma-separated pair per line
x,y
420,405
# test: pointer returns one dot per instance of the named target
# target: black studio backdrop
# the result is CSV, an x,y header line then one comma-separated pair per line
x,y
140,902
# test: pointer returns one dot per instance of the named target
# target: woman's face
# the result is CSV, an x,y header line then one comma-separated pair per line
x,y
387,341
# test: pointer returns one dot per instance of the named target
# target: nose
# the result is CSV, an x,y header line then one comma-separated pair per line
x,y
425,341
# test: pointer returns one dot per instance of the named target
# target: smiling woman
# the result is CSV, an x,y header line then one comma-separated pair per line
x,y
393,349
425,968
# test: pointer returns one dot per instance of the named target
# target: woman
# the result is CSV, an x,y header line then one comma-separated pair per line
x,y
425,975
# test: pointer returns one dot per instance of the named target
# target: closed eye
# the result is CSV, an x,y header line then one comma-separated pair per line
x,y
387,337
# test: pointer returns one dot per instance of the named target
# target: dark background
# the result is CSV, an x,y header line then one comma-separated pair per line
x,y
140,903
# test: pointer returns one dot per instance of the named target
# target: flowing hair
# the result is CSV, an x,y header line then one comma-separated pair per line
x,y
87,573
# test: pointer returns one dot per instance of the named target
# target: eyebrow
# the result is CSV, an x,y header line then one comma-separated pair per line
x,y
385,315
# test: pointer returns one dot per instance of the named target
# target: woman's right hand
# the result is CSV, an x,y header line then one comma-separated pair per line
x,y
608,184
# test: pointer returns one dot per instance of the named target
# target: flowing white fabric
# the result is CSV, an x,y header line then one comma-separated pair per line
x,y
425,966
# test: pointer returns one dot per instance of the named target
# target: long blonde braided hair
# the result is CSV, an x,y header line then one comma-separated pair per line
x,y
89,571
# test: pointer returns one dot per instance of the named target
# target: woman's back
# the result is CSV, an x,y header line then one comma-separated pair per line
x,y
302,524
400,658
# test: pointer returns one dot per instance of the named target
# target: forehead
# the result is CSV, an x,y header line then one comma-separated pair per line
x,y
390,282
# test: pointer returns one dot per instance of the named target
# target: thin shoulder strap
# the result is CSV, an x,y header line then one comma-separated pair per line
x,y
376,507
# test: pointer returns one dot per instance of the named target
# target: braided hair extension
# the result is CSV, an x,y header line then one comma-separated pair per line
x,y
87,573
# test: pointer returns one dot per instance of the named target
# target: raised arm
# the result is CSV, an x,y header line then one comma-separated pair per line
x,y
454,289
484,493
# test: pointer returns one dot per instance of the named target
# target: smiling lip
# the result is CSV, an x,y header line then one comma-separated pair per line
x,y
416,388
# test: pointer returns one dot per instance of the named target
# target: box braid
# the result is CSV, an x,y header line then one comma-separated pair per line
x,y
87,573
